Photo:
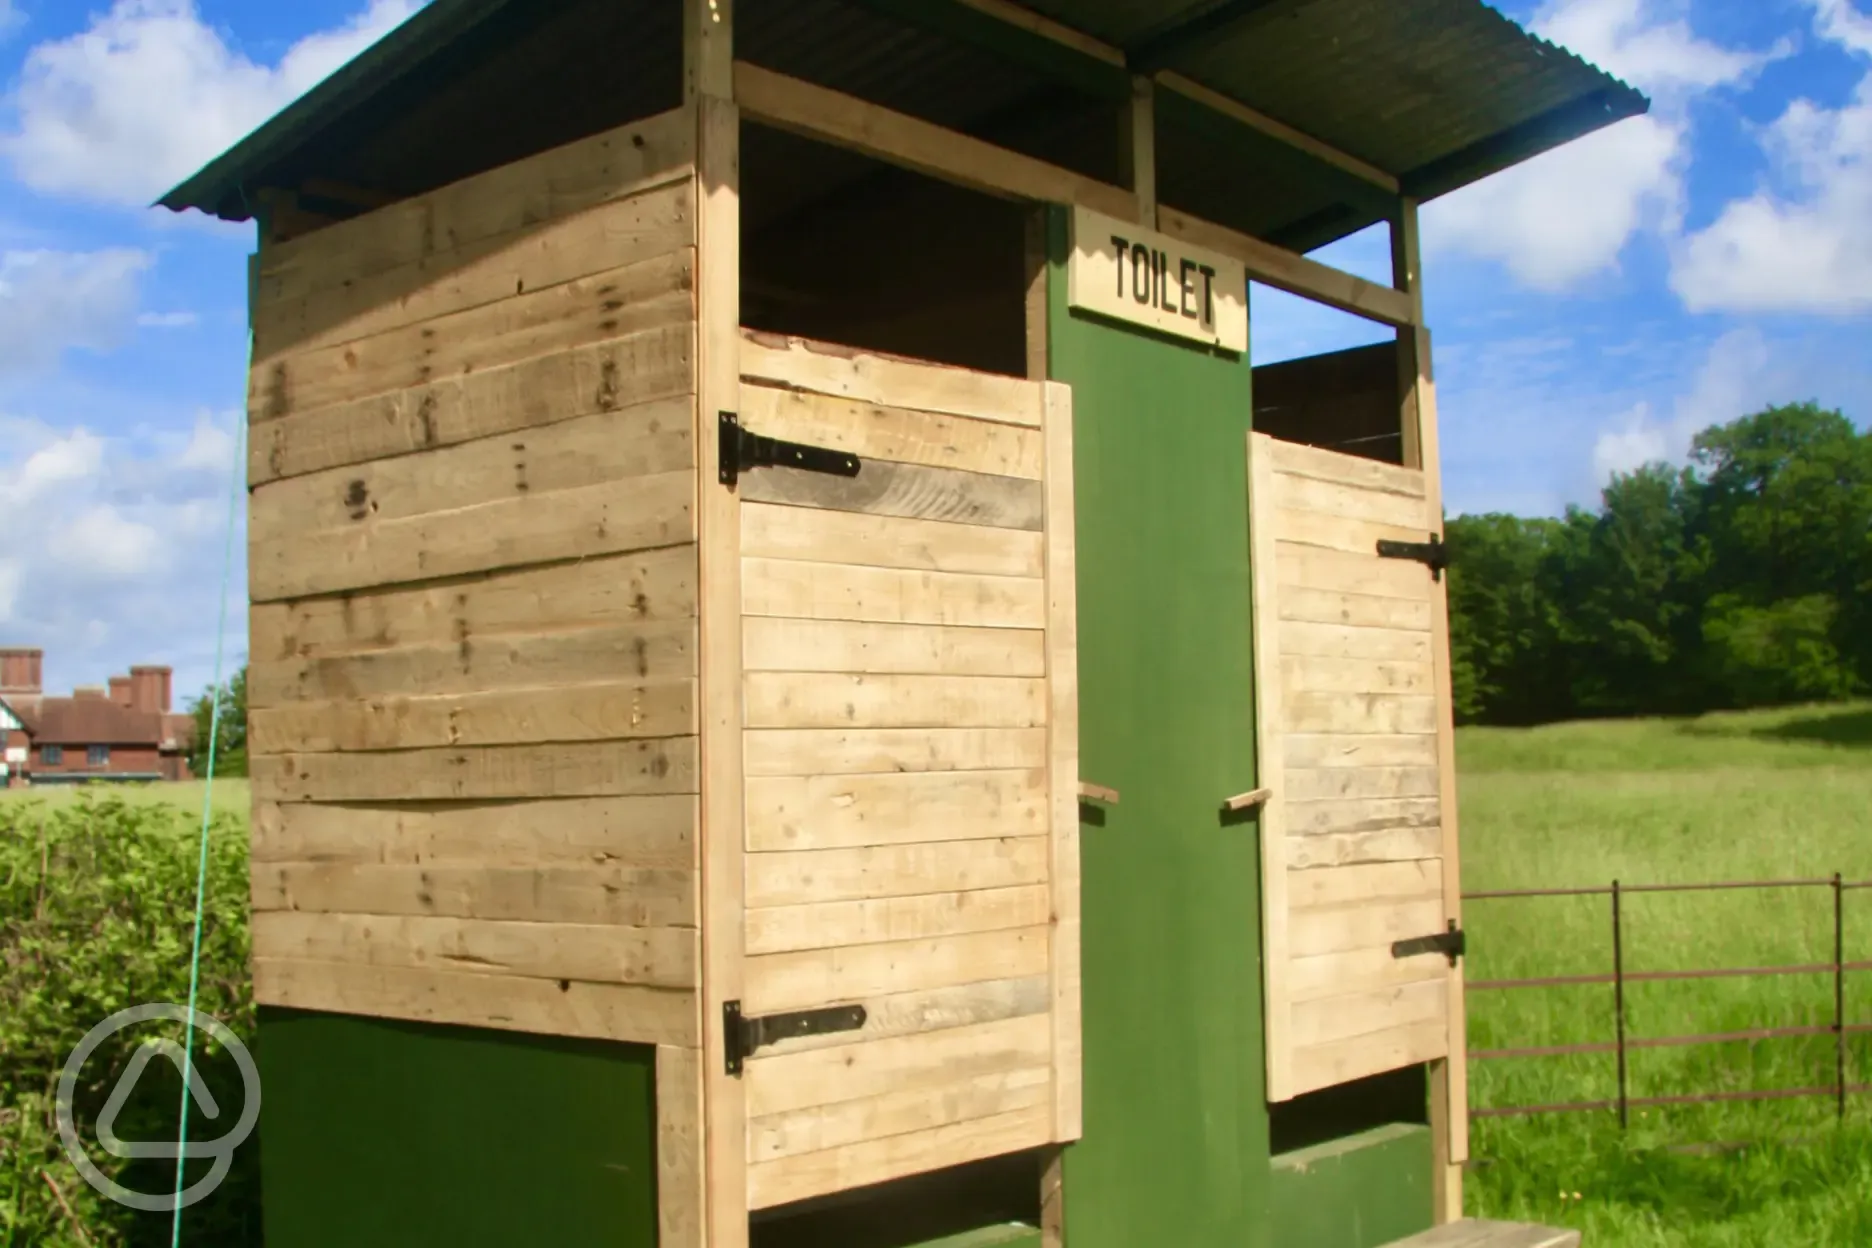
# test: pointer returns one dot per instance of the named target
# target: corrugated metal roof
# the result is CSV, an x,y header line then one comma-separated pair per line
x,y
1436,92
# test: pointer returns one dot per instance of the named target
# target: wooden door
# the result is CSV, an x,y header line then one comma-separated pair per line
x,y
910,714
1359,835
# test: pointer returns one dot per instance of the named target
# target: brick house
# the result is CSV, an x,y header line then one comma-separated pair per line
x,y
126,730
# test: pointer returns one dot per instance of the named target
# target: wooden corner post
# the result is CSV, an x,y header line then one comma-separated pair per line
x,y
708,79
1449,1078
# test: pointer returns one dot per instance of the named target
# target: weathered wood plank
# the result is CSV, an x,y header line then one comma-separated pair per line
x,y
1385,714
1357,537
1340,572
1063,764
596,712
1363,923
646,440
637,514
664,765
651,222
828,591
1322,1066
893,808
1340,849
821,1127
833,751
777,644
652,831
1308,750
516,196
867,377
1270,735
639,587
1357,970
876,1161
833,924
929,1010
1371,882
610,376
652,651
853,700
776,531
1328,499
624,1012
883,488
1327,783
624,896
1337,641
797,878
1326,606
1352,471
650,294
1304,673
780,1081
681,1198
658,957
810,978
876,432
1320,818
1369,1013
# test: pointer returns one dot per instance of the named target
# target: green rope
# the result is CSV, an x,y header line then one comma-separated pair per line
x,y
201,864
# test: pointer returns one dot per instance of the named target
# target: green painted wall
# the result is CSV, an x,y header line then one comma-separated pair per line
x,y
1176,1132
1359,1192
375,1134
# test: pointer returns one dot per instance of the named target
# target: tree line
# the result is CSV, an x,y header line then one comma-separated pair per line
x,y
1741,579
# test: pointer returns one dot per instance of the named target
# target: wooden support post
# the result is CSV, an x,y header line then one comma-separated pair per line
x,y
1138,134
1449,1079
708,75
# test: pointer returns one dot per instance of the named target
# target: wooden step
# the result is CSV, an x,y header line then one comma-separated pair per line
x,y
1477,1233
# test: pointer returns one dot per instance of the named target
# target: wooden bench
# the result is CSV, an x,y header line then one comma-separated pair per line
x,y
1477,1233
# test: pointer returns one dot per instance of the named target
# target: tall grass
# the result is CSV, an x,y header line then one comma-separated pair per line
x,y
1779,795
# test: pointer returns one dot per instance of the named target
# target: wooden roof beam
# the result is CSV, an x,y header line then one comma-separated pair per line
x,y
1279,131
1039,24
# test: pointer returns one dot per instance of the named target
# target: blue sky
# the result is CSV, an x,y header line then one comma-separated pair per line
x,y
1591,309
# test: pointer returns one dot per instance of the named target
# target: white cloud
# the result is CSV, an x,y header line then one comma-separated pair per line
x,y
1740,374
11,18
116,546
1567,215
54,300
1807,247
149,93
168,320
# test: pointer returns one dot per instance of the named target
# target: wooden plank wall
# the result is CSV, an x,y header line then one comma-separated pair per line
x,y
1355,826
911,823
474,577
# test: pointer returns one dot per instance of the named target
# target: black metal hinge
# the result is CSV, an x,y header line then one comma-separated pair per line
x,y
742,450
743,1035
1432,553
1451,944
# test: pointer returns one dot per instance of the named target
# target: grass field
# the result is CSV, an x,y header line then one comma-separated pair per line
x,y
1770,795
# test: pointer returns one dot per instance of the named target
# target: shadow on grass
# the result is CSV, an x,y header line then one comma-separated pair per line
x,y
1848,728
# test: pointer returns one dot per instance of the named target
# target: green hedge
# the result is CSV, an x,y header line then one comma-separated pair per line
x,y
96,912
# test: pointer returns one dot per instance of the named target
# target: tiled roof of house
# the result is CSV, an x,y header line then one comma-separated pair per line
x,y
96,721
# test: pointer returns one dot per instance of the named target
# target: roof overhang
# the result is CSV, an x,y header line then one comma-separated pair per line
x,y
1382,97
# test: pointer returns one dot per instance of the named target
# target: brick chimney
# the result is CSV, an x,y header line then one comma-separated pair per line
x,y
120,690
22,671
150,689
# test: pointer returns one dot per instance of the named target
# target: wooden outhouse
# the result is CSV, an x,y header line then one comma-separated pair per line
x,y
804,689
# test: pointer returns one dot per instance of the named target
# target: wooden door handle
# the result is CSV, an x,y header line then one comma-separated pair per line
x,y
1248,800
1098,793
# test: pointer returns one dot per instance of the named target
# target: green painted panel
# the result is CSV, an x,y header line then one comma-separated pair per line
x,y
1176,1130
376,1134
1358,1192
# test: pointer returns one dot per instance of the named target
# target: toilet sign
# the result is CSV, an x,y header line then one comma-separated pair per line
x,y
1122,270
